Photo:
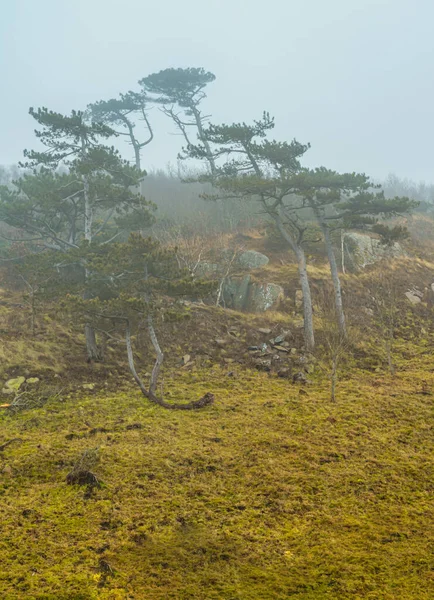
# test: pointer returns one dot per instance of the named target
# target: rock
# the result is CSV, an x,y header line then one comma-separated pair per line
x,y
243,294
293,351
285,372
13,385
281,349
263,365
264,296
252,259
88,386
298,299
186,359
415,296
362,250
236,292
32,380
221,342
299,378
264,331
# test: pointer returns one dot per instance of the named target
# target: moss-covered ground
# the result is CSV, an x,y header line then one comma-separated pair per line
x,y
272,493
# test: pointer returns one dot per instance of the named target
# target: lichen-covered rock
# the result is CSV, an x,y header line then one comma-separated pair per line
x,y
236,292
264,296
243,294
362,250
252,259
414,296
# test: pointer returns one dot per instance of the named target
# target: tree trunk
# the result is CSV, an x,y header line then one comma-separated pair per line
x,y
309,336
343,250
93,351
334,273
202,137
206,400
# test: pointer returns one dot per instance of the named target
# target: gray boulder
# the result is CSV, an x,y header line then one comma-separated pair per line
x,y
362,250
243,294
252,259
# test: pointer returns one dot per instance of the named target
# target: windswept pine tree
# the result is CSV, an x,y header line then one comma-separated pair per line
x,y
121,114
91,201
181,92
132,285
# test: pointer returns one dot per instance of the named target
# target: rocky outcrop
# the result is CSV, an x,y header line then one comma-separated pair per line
x,y
362,250
252,260
244,294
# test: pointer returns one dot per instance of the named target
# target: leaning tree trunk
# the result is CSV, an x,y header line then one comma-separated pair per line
x,y
309,336
150,393
334,273
203,139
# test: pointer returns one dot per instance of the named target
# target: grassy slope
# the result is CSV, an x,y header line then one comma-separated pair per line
x,y
270,494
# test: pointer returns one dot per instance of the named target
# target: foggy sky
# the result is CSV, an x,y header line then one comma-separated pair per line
x,y
352,77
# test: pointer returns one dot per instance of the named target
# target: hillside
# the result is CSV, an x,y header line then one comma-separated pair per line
x,y
274,492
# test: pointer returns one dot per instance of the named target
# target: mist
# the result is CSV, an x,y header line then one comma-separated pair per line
x,y
352,78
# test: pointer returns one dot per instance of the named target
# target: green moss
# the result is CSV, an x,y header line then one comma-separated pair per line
x,y
267,495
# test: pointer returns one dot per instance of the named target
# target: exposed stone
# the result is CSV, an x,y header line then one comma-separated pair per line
x,y
252,259
285,372
263,365
362,250
299,377
88,386
282,349
264,296
243,294
415,296
264,331
186,359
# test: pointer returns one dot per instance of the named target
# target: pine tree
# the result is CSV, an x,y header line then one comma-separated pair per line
x,y
120,113
181,92
133,283
92,202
